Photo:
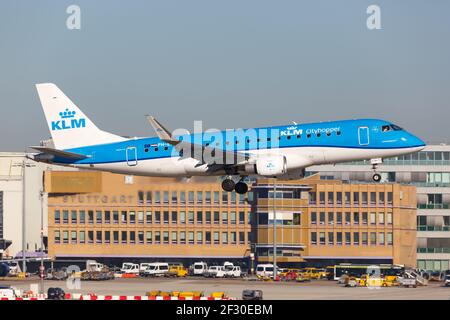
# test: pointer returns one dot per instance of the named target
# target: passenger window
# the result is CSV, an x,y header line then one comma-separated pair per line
x,y
338,133
318,135
385,128
308,135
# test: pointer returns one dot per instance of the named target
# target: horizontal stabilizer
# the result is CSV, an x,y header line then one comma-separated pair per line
x,y
60,153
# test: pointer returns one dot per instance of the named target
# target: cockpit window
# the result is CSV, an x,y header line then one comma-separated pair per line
x,y
385,128
396,128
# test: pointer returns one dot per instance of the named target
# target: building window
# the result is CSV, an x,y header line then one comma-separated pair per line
x,y
90,236
123,217
98,237
233,197
115,217
124,237
322,218
373,218
148,217
166,237
347,198
182,197
199,217
157,217
107,216
82,237
233,238
216,217
157,237
390,239
174,197
65,237
141,237
241,217
355,217
82,217
348,238
364,198
381,218
166,217
339,198
224,217
356,199
365,238
216,197
57,236
339,218
364,217
182,217
216,237
330,198
348,217
373,238
191,217
132,217
390,198
322,238
116,237
381,238
312,198
339,238
174,237
313,238
98,217
183,237
191,196
166,197
57,216
199,237
233,217
224,237
313,217
330,238
107,237
73,237
373,198
157,197
381,199
208,217
322,198
149,237
174,217
65,216
140,217
199,197
140,197
241,237
389,218
73,216
149,197
297,220
225,197
132,237
208,237
356,238
191,237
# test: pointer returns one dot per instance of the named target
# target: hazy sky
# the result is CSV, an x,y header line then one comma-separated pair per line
x,y
233,63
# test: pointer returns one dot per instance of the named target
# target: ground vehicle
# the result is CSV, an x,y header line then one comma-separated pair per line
x,y
408,282
177,271
213,270
264,270
329,272
312,273
233,272
252,295
447,280
7,292
130,268
357,270
199,268
143,266
157,269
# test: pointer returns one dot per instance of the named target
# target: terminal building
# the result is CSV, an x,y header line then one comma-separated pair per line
x,y
116,218
429,171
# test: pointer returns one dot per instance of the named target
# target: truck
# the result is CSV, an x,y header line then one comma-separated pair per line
x,y
95,271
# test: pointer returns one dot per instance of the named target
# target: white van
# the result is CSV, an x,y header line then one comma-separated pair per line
x,y
128,268
157,269
234,272
264,270
200,268
212,271
143,266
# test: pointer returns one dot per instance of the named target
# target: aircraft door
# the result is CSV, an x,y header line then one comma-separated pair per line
x,y
132,156
363,136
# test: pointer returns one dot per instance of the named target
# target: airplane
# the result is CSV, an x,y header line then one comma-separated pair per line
x,y
277,152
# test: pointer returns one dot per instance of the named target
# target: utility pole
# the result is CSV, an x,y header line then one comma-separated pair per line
x,y
41,269
24,200
274,229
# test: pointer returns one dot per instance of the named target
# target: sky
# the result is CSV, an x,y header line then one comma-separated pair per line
x,y
231,64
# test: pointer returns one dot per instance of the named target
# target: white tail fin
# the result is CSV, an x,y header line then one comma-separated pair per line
x,y
69,126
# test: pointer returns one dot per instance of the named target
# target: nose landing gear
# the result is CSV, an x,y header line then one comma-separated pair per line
x,y
375,162
229,185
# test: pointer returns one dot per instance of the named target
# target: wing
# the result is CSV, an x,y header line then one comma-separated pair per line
x,y
60,153
198,152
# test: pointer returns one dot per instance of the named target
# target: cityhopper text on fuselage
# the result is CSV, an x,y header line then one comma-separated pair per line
x,y
279,151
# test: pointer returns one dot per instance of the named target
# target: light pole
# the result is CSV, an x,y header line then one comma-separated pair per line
x,y
41,269
24,263
274,229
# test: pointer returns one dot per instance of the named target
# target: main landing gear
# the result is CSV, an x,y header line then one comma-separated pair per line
x,y
375,162
229,185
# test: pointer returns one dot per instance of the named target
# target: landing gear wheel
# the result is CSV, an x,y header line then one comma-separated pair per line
x,y
241,188
376,177
228,185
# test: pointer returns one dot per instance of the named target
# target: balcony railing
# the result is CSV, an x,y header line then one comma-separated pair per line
x,y
433,206
433,228
433,250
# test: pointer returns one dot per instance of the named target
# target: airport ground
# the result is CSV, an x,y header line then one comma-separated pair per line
x,y
315,290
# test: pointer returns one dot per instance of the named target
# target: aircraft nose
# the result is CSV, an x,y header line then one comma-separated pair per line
x,y
414,142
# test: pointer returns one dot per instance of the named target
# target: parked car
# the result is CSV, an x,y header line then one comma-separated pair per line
x,y
447,280
252,295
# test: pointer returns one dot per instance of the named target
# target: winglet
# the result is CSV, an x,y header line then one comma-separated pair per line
x,y
162,132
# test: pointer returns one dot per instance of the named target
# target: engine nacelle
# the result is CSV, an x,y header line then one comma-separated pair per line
x,y
271,166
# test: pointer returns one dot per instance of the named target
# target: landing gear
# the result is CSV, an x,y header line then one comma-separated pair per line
x,y
375,162
228,185
241,188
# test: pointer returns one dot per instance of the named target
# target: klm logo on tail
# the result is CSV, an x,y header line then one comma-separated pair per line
x,y
68,121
